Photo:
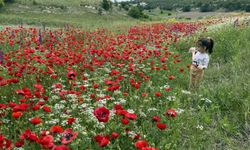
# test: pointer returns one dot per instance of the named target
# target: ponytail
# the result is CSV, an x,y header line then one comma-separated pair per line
x,y
210,45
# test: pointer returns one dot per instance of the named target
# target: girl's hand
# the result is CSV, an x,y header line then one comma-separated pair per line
x,y
201,67
192,50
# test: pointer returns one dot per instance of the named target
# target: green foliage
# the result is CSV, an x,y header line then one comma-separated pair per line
x,y
206,7
186,8
1,3
232,6
247,9
34,2
135,12
106,5
125,5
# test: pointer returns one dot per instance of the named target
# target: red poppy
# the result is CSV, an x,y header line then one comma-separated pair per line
x,y
47,141
70,120
20,107
156,118
61,147
17,114
131,116
46,109
161,126
157,94
141,144
171,77
102,140
125,121
114,135
149,148
171,112
36,107
71,74
95,86
56,129
19,143
36,121
168,89
5,143
102,114
68,136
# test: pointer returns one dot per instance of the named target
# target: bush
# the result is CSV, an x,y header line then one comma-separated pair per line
x,y
186,8
135,12
247,8
106,5
206,8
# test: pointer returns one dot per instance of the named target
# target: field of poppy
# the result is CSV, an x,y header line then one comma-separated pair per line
x,y
72,89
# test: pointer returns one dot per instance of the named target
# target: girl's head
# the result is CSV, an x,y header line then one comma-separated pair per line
x,y
205,45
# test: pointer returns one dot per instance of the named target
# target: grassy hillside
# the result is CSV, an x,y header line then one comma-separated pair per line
x,y
58,13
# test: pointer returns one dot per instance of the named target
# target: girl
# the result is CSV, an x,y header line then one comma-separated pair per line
x,y
200,59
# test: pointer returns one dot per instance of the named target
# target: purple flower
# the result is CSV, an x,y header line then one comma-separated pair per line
x,y
40,37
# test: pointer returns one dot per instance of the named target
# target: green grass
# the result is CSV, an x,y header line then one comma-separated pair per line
x,y
226,84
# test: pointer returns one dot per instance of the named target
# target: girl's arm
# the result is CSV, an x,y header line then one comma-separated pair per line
x,y
192,50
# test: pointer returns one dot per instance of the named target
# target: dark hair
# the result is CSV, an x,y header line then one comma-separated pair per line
x,y
206,42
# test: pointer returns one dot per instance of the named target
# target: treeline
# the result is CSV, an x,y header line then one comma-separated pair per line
x,y
135,7
203,5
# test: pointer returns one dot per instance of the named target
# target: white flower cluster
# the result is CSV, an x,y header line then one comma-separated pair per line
x,y
179,110
185,92
171,98
199,127
206,100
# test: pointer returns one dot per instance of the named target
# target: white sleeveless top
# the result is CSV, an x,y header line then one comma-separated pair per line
x,y
200,59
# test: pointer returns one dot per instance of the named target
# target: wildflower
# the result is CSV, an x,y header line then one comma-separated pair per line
x,y
114,135
36,121
102,140
161,126
157,94
68,136
56,129
71,74
141,144
17,114
171,112
102,114
47,141
156,118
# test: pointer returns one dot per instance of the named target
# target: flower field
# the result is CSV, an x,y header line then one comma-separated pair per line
x,y
71,89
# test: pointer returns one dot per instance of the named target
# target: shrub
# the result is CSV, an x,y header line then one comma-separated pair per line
x,y
135,12
206,7
106,5
247,8
186,8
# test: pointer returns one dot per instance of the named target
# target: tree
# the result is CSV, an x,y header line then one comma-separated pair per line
x,y
186,8
106,5
206,7
135,12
